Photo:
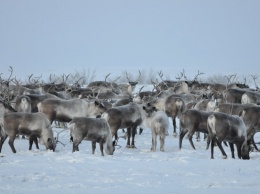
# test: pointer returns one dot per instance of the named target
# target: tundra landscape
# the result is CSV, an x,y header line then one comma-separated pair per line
x,y
140,168
115,96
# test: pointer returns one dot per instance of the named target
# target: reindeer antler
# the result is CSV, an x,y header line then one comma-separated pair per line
x,y
160,73
57,138
254,79
116,141
182,74
198,74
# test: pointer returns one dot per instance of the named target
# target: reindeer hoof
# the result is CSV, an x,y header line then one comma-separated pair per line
x,y
162,150
133,146
130,146
174,134
224,157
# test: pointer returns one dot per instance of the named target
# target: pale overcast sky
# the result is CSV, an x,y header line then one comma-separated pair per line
x,y
111,36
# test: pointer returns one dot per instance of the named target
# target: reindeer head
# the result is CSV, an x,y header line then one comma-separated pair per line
x,y
245,149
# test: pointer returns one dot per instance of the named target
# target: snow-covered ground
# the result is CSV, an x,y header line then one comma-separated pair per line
x,y
128,170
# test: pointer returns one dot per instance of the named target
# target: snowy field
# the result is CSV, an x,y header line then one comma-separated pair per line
x,y
128,170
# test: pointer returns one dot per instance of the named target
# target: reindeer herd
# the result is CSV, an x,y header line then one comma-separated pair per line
x,y
223,113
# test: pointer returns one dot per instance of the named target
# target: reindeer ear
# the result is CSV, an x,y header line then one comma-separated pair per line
x,y
96,103
144,107
49,140
114,142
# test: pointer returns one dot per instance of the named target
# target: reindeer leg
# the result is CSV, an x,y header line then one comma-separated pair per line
x,y
32,139
208,142
11,143
93,147
30,142
213,139
2,142
75,147
182,134
128,137
205,136
254,144
239,146
101,144
198,136
140,131
224,155
153,148
231,145
162,141
133,131
190,139
35,140
174,127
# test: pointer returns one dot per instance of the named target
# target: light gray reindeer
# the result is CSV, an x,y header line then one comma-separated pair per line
x,y
95,130
128,116
65,110
158,122
251,97
33,125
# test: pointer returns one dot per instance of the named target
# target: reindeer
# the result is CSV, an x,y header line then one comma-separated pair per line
x,y
112,95
200,86
251,118
173,106
251,97
103,86
126,116
130,87
224,127
217,89
35,99
192,121
52,87
143,96
232,108
233,95
94,130
64,110
178,87
205,104
33,125
76,92
158,122
23,104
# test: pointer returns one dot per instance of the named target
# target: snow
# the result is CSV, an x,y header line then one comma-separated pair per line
x,y
128,170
